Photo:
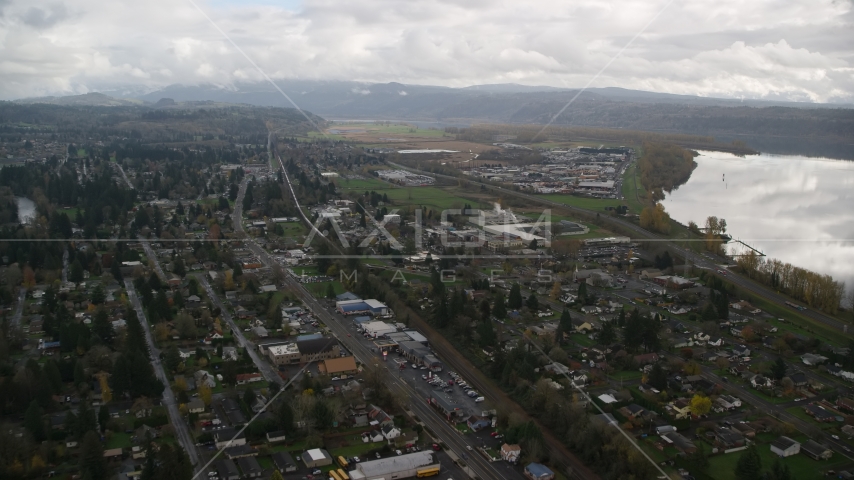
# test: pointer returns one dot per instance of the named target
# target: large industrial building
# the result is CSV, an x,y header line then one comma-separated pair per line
x,y
416,352
304,350
369,306
377,329
401,466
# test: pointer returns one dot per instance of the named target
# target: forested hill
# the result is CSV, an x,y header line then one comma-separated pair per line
x,y
175,122
599,107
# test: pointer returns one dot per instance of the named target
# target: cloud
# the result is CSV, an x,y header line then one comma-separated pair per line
x,y
44,18
360,91
402,93
800,50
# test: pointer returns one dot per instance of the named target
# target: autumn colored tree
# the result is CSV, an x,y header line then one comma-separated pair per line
x,y
700,405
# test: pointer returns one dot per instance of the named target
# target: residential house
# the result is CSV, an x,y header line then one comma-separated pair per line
x,y
785,447
680,408
196,405
819,413
511,453
376,414
799,379
390,432
227,470
812,359
727,438
759,381
477,423
632,411
277,436
815,450
373,436
536,471
845,403
679,442
229,354
745,429
284,462
244,378
728,402
646,358
741,350
250,467
228,437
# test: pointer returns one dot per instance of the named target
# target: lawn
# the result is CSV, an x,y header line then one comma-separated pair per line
x,y
119,440
319,289
358,449
436,197
626,375
361,184
584,202
71,212
633,191
802,467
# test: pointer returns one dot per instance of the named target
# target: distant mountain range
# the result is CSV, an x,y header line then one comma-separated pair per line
x,y
510,103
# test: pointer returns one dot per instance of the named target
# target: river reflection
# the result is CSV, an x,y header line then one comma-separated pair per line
x,y
797,209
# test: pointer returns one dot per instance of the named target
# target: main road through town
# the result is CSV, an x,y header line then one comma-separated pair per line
x,y
457,445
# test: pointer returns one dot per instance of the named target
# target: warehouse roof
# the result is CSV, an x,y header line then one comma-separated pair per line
x,y
390,465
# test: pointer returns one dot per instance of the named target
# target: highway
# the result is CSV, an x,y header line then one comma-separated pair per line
x,y
643,234
182,432
269,373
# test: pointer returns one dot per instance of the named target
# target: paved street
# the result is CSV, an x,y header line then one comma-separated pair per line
x,y
181,430
265,368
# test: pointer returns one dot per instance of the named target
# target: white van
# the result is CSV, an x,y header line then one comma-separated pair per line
x,y
479,399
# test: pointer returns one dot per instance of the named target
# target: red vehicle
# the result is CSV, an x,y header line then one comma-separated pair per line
x,y
436,447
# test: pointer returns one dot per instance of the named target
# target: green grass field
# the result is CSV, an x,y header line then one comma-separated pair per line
x,y
589,203
722,467
439,198
361,184
399,129
633,191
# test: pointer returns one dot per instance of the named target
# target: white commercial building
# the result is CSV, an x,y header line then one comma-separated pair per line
x,y
378,329
401,466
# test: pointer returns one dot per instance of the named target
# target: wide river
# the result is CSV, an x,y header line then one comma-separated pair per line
x,y
797,209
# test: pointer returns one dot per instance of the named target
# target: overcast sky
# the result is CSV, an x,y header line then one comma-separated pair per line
x,y
795,50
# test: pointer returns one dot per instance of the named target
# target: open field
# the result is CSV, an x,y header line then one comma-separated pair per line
x,y
802,467
361,184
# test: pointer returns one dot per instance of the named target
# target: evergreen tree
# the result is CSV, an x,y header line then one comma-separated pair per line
x,y
582,292
485,311
564,326
500,309
658,377
607,335
532,302
749,465
102,327
76,272
486,333
514,301
633,331
92,463
33,421
778,369
779,471
330,291
103,417
285,417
